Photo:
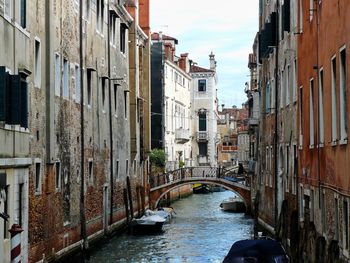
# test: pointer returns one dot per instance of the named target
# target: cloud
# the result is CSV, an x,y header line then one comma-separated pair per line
x,y
227,28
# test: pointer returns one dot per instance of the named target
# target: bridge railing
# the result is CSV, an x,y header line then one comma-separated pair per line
x,y
198,172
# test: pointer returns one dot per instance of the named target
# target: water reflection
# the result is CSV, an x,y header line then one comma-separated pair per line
x,y
199,232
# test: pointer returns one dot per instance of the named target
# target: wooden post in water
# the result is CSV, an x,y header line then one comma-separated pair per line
x,y
125,194
130,197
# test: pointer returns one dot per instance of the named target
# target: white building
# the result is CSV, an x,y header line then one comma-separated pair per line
x,y
204,114
173,96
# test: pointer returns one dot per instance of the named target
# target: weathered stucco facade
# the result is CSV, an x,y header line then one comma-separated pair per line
x,y
110,59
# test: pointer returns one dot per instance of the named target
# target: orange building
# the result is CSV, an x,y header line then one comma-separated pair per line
x,y
324,38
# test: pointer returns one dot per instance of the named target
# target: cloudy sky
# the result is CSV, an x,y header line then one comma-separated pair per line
x,y
228,29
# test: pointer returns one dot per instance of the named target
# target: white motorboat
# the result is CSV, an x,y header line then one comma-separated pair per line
x,y
234,204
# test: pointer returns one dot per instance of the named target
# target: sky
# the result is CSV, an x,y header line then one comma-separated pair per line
x,y
228,29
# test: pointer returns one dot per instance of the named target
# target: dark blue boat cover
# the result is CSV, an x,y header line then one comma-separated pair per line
x,y
256,250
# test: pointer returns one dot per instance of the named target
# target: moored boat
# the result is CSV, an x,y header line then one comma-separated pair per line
x,y
233,204
257,250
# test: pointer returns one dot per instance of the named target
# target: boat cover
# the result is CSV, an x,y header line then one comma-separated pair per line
x,y
256,250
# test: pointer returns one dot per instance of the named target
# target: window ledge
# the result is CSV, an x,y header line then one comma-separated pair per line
x,y
23,30
311,146
321,145
334,143
343,141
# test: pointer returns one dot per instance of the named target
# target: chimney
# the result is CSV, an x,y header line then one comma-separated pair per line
x,y
169,51
183,62
212,61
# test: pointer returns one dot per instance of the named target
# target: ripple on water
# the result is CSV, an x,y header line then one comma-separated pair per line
x,y
200,232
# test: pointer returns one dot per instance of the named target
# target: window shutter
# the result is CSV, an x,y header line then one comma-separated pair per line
x,y
24,104
286,15
3,104
15,100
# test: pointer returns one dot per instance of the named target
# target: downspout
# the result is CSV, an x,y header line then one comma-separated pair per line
x,y
276,115
318,111
83,236
110,115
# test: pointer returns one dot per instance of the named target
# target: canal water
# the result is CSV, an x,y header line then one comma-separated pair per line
x,y
200,232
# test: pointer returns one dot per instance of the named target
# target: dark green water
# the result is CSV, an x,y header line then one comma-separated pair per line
x,y
199,232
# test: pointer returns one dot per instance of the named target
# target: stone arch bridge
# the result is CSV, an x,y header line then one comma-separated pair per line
x,y
161,184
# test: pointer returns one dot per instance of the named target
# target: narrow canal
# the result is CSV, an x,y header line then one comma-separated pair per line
x,y
199,232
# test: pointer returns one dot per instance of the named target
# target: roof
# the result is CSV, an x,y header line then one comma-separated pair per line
x,y
195,69
155,36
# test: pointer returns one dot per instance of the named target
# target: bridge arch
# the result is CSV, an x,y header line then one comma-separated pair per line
x,y
243,191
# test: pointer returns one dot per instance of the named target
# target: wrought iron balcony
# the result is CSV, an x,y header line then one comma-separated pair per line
x,y
202,136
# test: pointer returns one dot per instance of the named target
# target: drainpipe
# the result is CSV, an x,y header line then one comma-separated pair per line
x,y
110,116
83,236
276,116
318,111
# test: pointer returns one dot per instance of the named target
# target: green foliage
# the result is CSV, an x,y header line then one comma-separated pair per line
x,y
182,164
158,157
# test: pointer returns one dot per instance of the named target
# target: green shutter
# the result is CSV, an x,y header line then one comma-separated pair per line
x,y
3,104
15,99
24,104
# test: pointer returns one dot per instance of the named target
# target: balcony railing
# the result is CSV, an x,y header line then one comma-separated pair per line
x,y
253,122
202,136
182,135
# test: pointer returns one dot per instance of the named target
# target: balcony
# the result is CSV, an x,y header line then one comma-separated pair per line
x,y
202,136
182,135
253,122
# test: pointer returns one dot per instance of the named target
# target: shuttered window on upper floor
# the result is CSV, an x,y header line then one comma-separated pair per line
x,y
13,99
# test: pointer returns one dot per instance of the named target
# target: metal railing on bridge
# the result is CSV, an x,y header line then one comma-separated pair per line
x,y
199,173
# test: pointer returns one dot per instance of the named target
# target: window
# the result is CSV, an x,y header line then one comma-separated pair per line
x,y
13,98
37,179
287,85
345,225
267,98
100,15
336,219
202,85
87,9
282,98
342,98
58,175
295,170
334,100
89,85
312,139
295,80
91,172
126,167
115,98
103,85
311,9
112,20
202,124
77,83
37,63
117,170
301,116
301,204
126,104
301,16
273,95
203,148
65,78
321,109
122,38
23,13
323,212
57,75
8,9
287,168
